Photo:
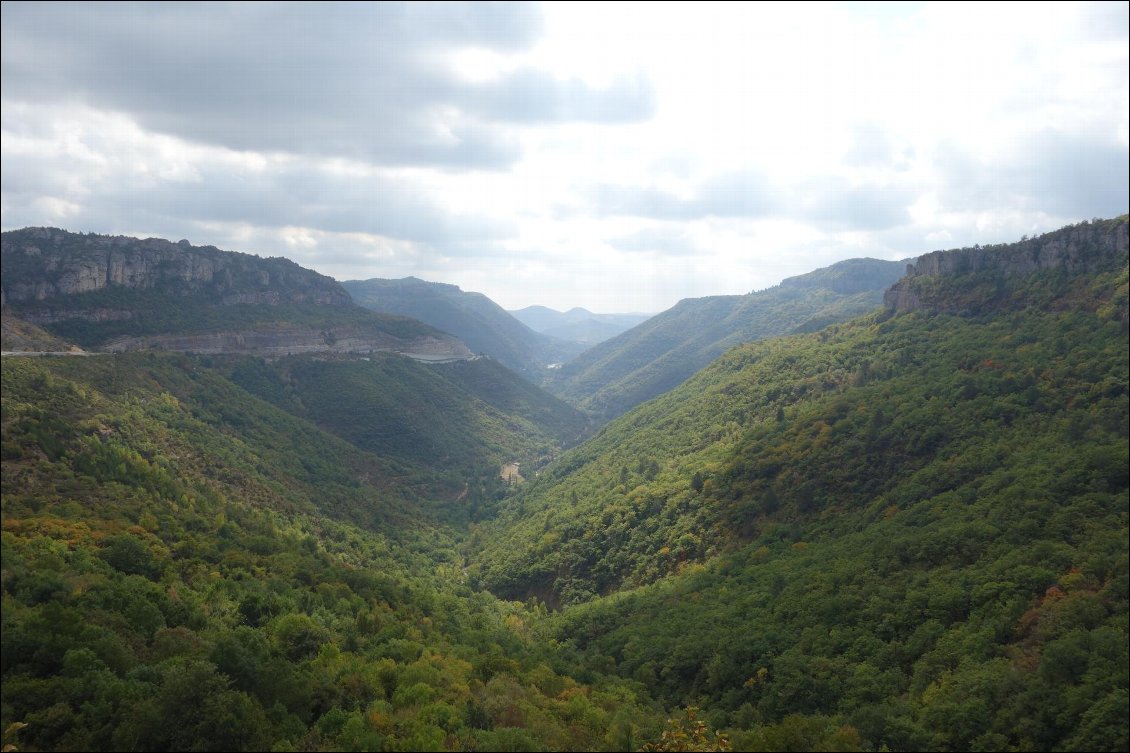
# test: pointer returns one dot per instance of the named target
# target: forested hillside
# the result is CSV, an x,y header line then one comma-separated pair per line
x,y
468,416
610,378
118,293
485,326
186,567
914,525
21,336
908,531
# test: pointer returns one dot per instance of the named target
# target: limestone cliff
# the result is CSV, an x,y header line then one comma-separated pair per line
x,y
1086,248
41,264
113,293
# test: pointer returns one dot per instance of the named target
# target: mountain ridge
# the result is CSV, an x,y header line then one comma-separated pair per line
x,y
472,317
1086,247
118,293
578,324
906,531
655,356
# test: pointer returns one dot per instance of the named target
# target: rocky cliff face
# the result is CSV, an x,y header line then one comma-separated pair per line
x,y
117,294
41,264
1086,248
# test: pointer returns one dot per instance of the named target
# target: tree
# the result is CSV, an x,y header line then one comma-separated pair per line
x,y
688,733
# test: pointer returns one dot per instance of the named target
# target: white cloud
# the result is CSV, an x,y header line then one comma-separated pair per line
x,y
611,155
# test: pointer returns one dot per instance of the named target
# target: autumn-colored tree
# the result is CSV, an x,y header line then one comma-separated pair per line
x,y
688,732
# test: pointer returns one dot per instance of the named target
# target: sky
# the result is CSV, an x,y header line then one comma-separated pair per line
x,y
615,156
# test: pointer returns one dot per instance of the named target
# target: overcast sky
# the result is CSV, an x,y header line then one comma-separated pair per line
x,y
614,156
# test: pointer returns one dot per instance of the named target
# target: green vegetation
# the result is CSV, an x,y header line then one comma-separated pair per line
x,y
472,317
155,316
18,335
465,416
897,533
908,532
187,567
609,379
90,289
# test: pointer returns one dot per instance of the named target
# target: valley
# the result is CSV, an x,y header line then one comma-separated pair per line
x,y
881,506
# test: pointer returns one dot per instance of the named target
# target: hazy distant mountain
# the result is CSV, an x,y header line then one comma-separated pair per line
x,y
577,324
478,321
655,356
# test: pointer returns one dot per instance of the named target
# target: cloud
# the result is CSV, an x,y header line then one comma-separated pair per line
x,y
829,202
667,240
736,194
870,146
511,145
836,204
367,81
101,173
640,201
1071,176
531,96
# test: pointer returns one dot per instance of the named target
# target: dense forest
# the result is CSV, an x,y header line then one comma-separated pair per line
x,y
907,531
472,317
188,567
618,374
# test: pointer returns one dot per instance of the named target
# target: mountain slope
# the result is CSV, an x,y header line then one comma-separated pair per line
x,y
907,531
21,336
467,416
472,317
612,377
118,293
187,567
577,324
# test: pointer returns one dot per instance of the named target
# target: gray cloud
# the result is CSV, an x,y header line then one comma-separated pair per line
x,y
298,194
834,204
536,97
1106,21
830,202
361,80
1066,175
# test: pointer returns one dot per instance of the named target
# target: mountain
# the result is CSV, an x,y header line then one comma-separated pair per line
x,y
20,336
651,358
188,567
970,279
577,324
117,294
906,532
472,317
468,417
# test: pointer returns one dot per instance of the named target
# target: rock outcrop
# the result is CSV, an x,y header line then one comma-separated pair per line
x,y
40,264
114,294
1086,248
